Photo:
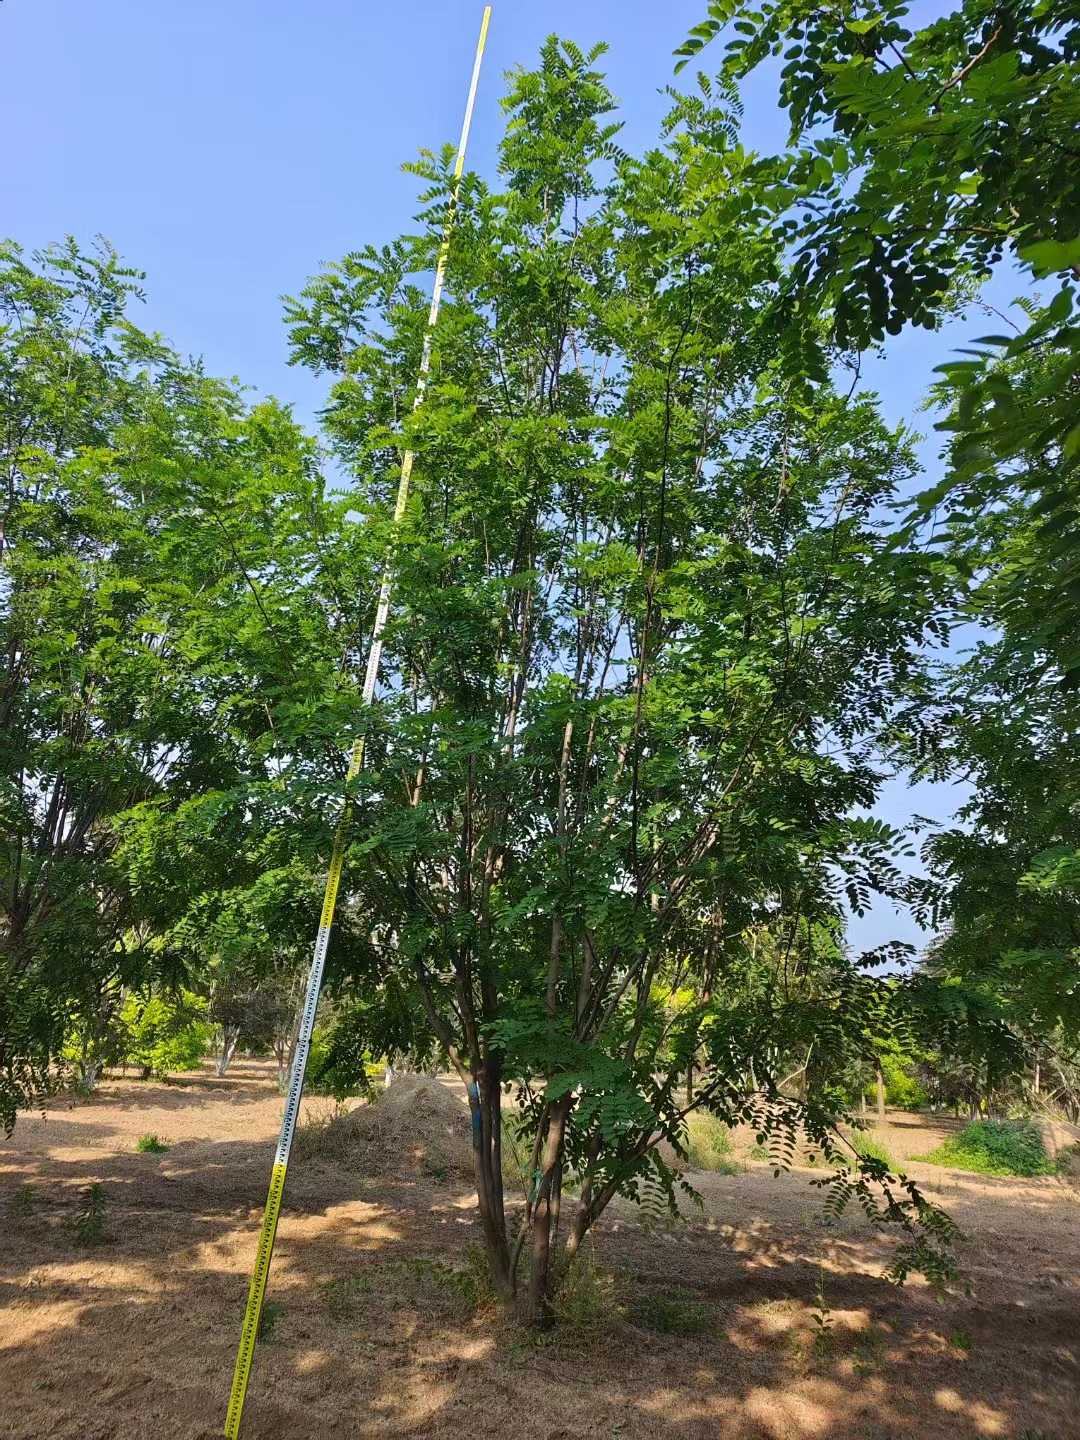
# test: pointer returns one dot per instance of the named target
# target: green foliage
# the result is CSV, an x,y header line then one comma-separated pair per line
x,y
821,1315
92,1215
165,1034
603,837
1067,1162
152,699
902,1087
466,1286
150,1145
995,1147
340,1060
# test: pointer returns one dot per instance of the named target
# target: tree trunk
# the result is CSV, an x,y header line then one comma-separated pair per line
x,y
230,1036
485,1096
880,1095
545,1217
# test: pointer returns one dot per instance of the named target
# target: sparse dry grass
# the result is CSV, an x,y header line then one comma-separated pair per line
x,y
384,1330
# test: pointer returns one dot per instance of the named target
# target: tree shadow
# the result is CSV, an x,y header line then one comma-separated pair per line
x,y
379,1335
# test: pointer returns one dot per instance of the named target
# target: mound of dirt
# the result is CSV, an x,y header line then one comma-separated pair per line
x,y
418,1124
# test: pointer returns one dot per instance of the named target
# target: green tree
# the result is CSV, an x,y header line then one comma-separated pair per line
x,y
171,629
921,158
646,632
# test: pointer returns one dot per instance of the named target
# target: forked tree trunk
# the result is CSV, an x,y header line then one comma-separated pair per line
x,y
545,1216
230,1037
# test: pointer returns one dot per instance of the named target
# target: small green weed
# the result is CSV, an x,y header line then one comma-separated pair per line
x,y
151,1145
22,1202
90,1221
994,1147
345,1297
960,1340
271,1314
757,1152
673,1315
708,1144
821,1315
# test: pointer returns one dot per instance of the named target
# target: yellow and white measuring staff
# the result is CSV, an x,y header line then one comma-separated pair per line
x,y
333,879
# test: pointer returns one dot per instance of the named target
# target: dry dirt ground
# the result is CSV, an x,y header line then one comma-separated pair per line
x,y
377,1334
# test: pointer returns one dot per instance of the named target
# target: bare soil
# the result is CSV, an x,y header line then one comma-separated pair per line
x,y
706,1331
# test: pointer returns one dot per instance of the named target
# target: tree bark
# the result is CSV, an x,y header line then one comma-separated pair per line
x,y
880,1095
545,1217
230,1038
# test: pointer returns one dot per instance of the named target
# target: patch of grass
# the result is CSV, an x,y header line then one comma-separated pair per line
x,y
468,1286
673,1315
757,1152
151,1145
865,1144
22,1202
994,1147
960,1340
516,1150
708,1144
1067,1162
346,1298
586,1296
90,1221
323,1134
271,1314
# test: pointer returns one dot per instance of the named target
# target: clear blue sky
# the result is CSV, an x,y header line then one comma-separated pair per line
x,y
228,147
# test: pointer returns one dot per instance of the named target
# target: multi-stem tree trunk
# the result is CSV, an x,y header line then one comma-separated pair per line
x,y
230,1037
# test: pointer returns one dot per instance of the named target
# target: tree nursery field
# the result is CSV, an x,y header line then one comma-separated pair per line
x,y
749,1318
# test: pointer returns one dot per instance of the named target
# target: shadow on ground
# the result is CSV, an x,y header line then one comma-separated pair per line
x,y
751,1323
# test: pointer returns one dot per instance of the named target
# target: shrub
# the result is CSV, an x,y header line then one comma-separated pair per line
x,y
90,1222
708,1144
994,1147
151,1145
585,1295
466,1288
1067,1162
339,1066
902,1088
165,1034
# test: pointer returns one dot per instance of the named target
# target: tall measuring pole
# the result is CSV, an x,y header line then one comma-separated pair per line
x,y
265,1249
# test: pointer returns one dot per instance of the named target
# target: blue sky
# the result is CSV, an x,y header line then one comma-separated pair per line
x,y
228,147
